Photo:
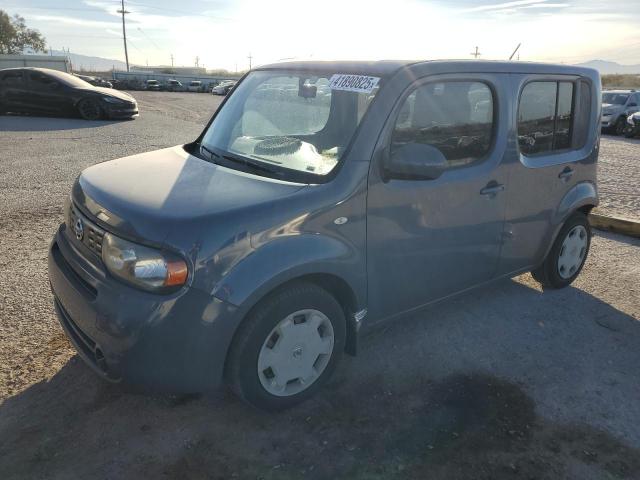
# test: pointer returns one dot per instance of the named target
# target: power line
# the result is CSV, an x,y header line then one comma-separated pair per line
x,y
149,38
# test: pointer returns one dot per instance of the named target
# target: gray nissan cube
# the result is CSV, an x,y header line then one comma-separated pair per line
x,y
322,199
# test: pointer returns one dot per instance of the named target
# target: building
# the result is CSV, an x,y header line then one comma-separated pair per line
x,y
54,62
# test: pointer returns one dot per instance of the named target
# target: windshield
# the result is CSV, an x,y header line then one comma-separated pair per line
x,y
292,122
615,98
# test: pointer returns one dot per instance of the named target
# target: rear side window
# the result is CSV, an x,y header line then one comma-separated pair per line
x,y
456,117
12,79
545,117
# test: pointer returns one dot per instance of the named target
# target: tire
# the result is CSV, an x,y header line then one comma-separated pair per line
x,y
268,338
556,272
90,110
620,126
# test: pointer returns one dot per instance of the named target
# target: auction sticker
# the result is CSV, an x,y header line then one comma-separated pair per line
x,y
353,83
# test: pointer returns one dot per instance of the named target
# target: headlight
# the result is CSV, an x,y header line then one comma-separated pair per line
x,y
141,266
112,100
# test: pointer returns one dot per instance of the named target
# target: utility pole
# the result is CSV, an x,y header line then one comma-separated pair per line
x,y
475,54
172,60
124,34
249,57
197,61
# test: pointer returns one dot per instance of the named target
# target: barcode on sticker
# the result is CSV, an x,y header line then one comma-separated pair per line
x,y
353,83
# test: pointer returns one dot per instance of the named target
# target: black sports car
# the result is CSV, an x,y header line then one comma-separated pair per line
x,y
41,90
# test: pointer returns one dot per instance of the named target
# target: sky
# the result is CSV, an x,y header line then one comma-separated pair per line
x,y
224,33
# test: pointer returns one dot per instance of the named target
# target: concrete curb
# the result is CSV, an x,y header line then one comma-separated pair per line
x,y
615,224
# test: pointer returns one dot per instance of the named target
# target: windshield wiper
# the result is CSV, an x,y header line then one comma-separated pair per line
x,y
215,156
250,164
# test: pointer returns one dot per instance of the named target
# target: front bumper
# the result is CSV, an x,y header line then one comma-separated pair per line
x,y
608,121
121,111
174,342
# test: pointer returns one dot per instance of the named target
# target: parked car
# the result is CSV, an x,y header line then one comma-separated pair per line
x,y
632,128
153,85
174,86
95,81
262,251
195,86
41,90
223,88
617,105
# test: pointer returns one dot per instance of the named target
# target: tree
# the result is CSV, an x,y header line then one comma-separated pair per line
x,y
15,37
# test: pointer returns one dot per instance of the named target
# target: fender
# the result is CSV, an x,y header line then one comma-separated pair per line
x,y
287,258
583,194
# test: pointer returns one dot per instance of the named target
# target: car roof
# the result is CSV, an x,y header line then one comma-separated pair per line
x,y
386,68
618,91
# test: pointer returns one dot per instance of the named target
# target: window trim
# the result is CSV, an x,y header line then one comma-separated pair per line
x,y
557,81
457,78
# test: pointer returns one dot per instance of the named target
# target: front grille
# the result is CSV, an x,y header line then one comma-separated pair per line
x,y
92,234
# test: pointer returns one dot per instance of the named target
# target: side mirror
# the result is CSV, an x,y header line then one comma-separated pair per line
x,y
416,161
632,105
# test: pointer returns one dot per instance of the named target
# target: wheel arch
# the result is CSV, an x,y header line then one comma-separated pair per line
x,y
583,197
337,286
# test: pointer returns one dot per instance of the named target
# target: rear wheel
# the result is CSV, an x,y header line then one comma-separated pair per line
x,y
287,348
568,254
89,109
620,126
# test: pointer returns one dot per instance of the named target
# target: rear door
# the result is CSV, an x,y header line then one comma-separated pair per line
x,y
552,121
427,239
46,94
13,90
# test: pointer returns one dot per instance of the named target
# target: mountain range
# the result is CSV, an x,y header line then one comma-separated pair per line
x,y
607,68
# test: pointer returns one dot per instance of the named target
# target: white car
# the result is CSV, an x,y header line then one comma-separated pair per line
x,y
195,86
223,88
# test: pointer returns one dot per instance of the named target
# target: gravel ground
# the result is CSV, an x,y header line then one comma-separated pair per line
x,y
504,382
619,177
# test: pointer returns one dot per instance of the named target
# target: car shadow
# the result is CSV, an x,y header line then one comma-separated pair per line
x,y
24,123
506,381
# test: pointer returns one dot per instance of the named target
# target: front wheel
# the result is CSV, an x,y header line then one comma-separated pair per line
x,y
287,348
567,255
89,109
621,124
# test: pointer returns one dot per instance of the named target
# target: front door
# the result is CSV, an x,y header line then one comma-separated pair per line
x,y
427,239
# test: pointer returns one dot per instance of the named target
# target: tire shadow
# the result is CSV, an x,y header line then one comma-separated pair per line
x,y
27,123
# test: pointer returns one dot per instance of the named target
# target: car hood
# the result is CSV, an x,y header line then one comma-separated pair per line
x,y
610,107
110,92
149,195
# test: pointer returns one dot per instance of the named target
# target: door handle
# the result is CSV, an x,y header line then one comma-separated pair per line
x,y
565,174
492,189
